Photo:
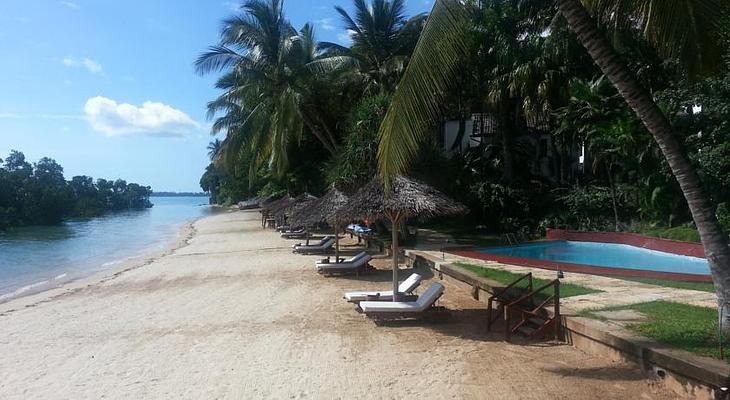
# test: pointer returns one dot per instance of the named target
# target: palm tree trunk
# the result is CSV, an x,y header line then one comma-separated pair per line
x,y
605,56
318,135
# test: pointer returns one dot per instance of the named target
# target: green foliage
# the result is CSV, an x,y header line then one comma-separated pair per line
x,y
683,233
39,194
723,216
584,208
356,164
682,326
382,40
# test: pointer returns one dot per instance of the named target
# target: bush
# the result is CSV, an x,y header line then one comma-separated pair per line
x,y
356,164
588,208
723,216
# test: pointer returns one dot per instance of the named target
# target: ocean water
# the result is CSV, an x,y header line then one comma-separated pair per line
x,y
33,259
605,255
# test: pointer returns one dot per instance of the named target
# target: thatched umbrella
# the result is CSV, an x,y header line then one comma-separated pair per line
x,y
328,208
284,209
405,199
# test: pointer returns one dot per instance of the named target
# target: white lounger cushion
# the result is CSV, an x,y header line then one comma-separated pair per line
x,y
407,286
345,261
425,301
323,245
319,243
358,261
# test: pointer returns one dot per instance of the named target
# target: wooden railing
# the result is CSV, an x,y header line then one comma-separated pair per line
x,y
502,299
526,307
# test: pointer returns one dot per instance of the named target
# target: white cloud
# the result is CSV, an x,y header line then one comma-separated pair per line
x,y
345,37
326,24
151,119
87,63
70,4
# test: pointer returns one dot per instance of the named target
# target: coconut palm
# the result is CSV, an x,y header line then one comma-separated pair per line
x,y
269,69
214,149
382,40
681,29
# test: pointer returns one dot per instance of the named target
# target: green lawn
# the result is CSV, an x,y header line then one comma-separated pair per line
x,y
506,277
681,326
701,286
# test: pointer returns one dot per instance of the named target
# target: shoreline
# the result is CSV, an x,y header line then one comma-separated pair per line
x,y
230,312
147,256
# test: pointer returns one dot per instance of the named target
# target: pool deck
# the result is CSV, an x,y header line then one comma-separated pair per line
x,y
615,292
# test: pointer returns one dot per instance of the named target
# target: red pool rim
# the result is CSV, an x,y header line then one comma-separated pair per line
x,y
581,268
631,239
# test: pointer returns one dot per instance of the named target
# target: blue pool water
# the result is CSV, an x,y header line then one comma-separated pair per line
x,y
605,255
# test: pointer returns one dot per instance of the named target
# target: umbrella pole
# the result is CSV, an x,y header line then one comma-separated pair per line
x,y
395,222
337,241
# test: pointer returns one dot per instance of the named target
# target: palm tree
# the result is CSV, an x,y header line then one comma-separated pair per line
x,y
214,149
268,68
382,40
682,29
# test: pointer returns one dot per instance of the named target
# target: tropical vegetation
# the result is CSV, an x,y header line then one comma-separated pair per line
x,y
38,193
593,115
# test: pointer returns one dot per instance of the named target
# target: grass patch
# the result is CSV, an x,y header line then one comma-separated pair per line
x,y
506,277
700,286
682,326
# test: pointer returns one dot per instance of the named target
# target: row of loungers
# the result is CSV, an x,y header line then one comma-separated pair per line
x,y
379,305
376,304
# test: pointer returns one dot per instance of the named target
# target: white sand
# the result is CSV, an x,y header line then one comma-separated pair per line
x,y
235,314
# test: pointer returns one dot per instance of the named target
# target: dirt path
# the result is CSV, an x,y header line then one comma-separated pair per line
x,y
236,315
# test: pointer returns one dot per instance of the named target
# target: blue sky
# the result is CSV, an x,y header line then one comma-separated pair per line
x,y
107,87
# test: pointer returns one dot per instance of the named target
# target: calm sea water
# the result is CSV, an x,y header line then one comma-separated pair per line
x,y
605,255
39,258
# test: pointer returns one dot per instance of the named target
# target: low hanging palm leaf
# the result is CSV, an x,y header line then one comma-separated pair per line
x,y
681,29
417,101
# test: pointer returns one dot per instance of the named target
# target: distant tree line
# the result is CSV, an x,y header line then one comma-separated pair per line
x,y
179,194
38,194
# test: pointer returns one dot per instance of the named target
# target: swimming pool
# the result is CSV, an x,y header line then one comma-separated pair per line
x,y
602,258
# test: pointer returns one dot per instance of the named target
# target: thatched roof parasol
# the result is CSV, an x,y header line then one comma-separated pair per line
x,y
276,204
406,198
287,207
328,208
325,209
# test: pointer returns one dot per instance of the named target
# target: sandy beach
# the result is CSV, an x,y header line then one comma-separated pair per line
x,y
233,314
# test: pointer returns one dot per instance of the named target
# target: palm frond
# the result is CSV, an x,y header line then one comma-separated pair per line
x,y
329,65
217,58
417,101
683,29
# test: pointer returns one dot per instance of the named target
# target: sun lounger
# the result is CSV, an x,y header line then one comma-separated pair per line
x,y
319,247
295,234
356,264
406,287
406,309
